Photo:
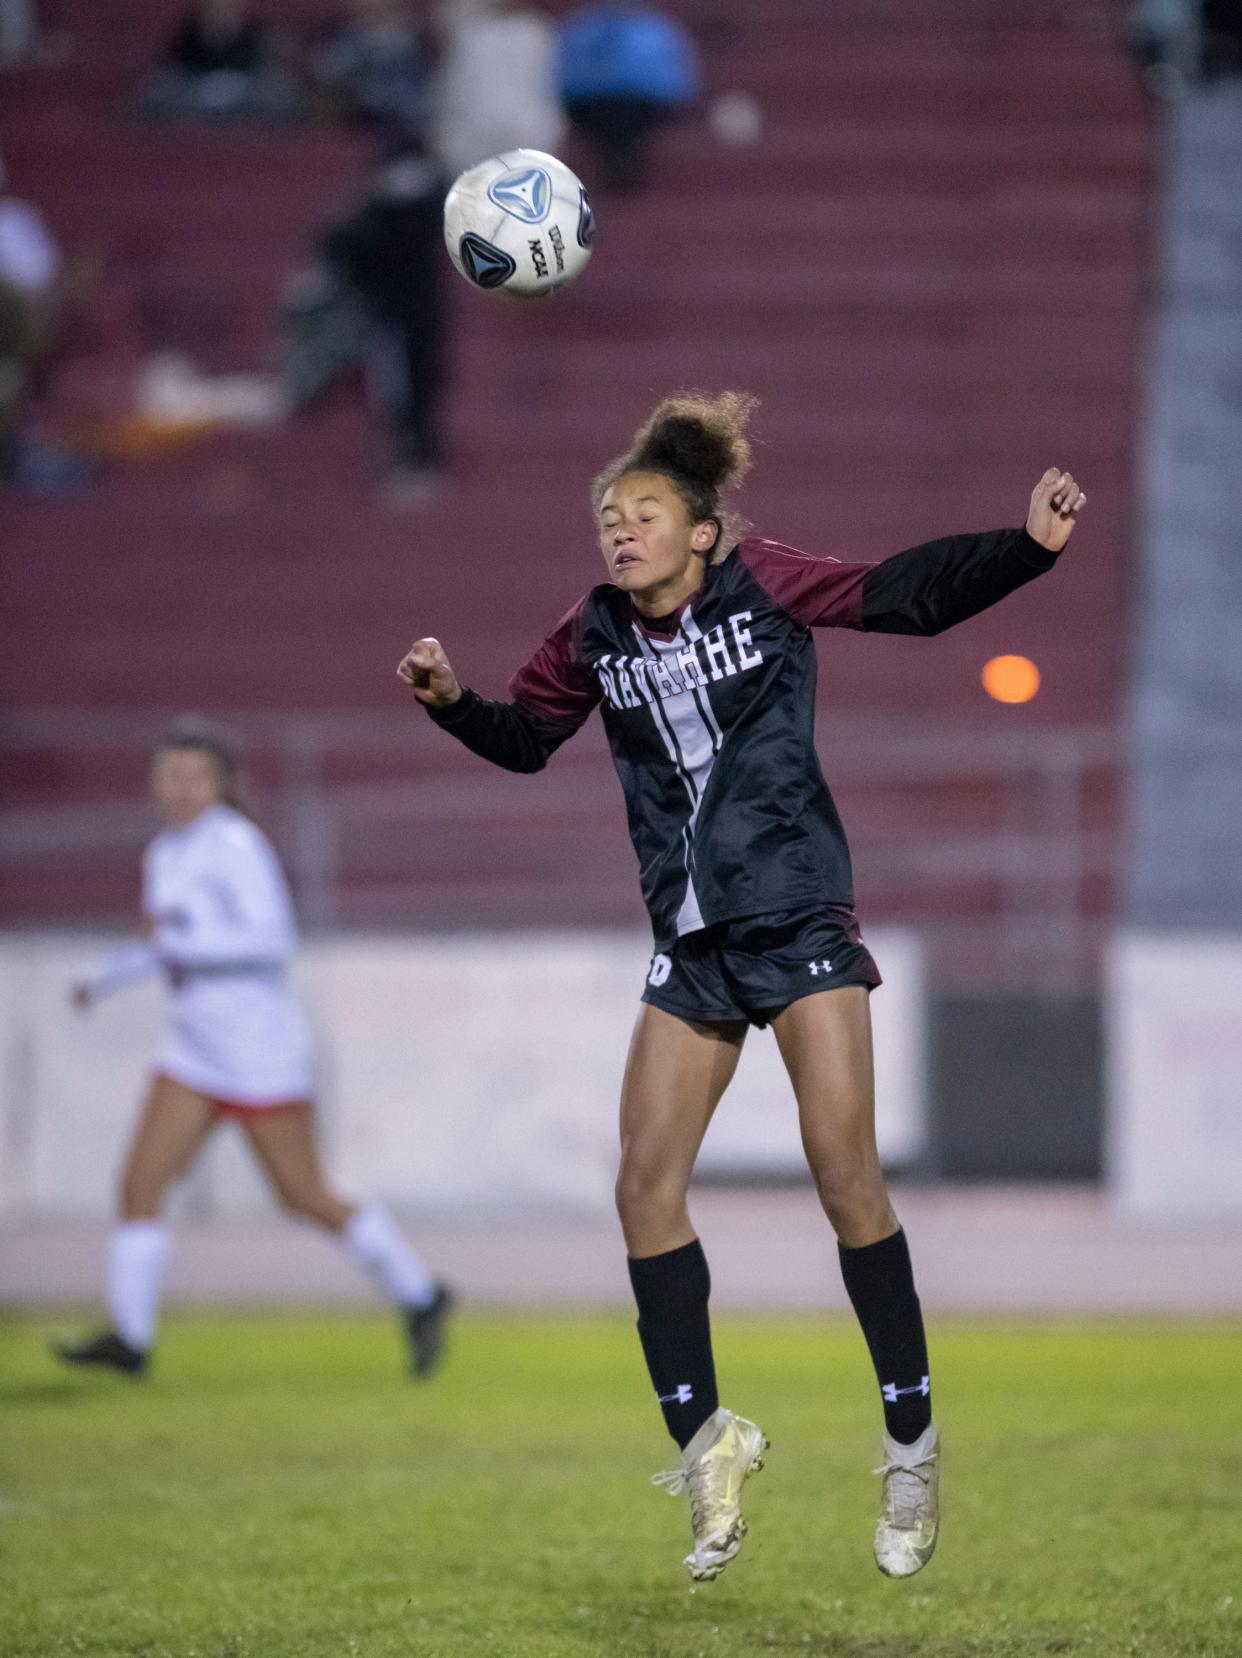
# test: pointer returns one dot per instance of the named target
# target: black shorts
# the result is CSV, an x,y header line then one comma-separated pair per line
x,y
751,968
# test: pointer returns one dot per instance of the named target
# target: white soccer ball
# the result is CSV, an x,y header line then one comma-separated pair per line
x,y
519,223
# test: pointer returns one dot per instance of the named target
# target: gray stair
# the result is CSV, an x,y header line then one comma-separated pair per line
x,y
1186,731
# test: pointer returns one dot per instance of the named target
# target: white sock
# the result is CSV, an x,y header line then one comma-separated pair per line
x,y
374,1240
136,1255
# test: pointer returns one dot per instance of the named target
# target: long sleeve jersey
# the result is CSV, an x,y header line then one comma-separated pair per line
x,y
216,900
216,895
710,714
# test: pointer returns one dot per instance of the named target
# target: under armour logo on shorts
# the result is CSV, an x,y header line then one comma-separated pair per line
x,y
818,967
661,967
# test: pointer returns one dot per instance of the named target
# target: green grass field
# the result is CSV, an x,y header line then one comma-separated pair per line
x,y
279,1488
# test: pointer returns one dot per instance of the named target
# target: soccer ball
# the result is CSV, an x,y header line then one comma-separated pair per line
x,y
519,223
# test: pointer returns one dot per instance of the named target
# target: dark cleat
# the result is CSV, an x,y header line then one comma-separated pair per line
x,y
425,1328
107,1349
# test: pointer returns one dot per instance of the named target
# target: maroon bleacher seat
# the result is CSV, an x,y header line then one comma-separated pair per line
x,y
929,268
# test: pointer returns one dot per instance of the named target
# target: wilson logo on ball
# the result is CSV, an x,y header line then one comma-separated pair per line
x,y
517,224
483,262
526,194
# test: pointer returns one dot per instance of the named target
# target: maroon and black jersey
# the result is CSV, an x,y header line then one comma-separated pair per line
x,y
710,712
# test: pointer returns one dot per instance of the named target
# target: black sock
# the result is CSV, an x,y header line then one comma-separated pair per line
x,y
880,1282
673,1326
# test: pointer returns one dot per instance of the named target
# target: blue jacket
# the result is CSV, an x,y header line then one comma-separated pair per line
x,y
626,52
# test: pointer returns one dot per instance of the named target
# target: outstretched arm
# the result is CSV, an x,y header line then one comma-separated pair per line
x,y
933,587
551,700
239,915
1056,502
126,965
928,588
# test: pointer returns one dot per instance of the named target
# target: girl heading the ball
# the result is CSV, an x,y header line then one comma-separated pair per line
x,y
698,652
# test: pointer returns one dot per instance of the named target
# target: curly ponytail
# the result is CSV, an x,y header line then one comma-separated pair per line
x,y
699,443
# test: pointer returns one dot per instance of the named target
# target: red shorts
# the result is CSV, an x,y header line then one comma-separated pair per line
x,y
239,1110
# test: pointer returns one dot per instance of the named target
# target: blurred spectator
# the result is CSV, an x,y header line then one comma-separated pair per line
x,y
495,88
18,30
1178,41
17,353
221,64
374,67
1161,36
376,301
29,257
30,271
624,70
1220,45
218,39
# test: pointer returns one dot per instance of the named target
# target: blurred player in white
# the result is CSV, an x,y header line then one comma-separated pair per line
x,y
220,927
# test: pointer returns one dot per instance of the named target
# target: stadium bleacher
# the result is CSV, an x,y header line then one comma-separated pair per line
x,y
931,310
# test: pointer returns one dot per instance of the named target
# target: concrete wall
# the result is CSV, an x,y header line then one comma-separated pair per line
x,y
458,1072
1174,1046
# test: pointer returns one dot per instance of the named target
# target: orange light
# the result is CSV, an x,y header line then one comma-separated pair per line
x,y
1010,678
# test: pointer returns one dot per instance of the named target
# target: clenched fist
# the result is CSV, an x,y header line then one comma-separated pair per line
x,y
1055,504
428,673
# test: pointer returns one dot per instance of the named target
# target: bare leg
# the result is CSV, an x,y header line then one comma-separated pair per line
x,y
825,1041
674,1078
175,1122
284,1143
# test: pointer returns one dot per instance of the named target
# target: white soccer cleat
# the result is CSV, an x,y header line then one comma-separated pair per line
x,y
714,1466
905,1536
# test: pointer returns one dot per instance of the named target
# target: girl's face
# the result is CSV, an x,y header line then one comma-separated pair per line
x,y
646,536
184,783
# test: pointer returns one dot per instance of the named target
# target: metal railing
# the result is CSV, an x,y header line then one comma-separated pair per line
x,y
1000,845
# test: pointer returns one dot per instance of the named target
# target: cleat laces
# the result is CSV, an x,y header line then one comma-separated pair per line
x,y
905,1492
703,1501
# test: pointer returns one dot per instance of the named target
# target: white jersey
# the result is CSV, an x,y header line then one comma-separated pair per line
x,y
223,933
